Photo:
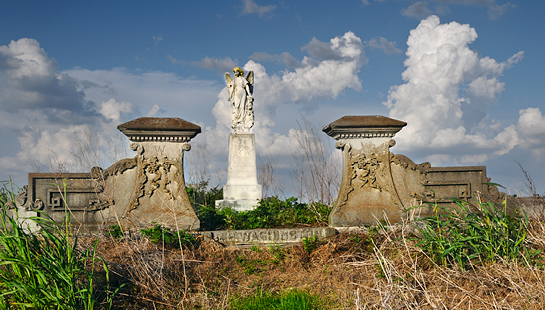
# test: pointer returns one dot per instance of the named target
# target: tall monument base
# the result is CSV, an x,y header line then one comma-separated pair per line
x,y
241,193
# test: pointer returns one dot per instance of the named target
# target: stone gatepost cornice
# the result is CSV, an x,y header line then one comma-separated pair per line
x,y
159,129
366,126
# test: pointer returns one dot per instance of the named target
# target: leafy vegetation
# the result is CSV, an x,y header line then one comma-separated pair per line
x,y
163,235
45,269
310,243
203,199
270,212
471,235
115,231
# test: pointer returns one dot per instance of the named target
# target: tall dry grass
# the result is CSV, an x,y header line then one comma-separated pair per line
x,y
365,268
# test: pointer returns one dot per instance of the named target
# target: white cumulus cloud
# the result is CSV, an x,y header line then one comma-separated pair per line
x,y
113,109
445,99
447,86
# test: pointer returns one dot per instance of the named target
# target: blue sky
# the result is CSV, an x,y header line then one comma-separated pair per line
x,y
467,75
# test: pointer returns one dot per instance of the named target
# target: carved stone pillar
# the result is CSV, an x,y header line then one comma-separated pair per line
x,y
241,192
367,193
157,186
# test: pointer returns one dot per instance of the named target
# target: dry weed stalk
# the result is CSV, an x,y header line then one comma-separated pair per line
x,y
316,175
197,166
267,177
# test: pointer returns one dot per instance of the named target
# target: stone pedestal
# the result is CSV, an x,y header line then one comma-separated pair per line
x,y
159,193
241,192
367,193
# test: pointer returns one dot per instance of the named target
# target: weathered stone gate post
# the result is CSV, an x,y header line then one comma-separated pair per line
x,y
377,184
159,192
367,193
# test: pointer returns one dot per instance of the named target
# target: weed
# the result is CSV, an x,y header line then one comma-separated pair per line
x,y
473,235
160,234
251,266
45,270
278,254
115,232
310,243
355,239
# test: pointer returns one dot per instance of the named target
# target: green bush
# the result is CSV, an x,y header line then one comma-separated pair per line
x,y
45,270
273,212
203,199
473,235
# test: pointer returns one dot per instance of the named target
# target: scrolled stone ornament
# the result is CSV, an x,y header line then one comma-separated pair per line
x,y
186,147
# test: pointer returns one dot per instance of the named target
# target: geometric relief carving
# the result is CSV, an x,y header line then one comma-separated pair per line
x,y
84,199
446,190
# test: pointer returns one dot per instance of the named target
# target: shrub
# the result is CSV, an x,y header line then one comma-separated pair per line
x,y
203,199
274,212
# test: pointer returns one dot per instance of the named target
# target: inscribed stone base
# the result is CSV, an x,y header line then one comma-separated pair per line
x,y
241,191
284,236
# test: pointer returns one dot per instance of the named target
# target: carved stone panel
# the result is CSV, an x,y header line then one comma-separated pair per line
x,y
241,166
367,192
268,236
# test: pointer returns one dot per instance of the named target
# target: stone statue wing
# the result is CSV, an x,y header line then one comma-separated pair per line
x,y
230,82
250,79
228,79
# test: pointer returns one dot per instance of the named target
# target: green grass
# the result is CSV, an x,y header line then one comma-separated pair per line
x,y
474,235
287,300
45,269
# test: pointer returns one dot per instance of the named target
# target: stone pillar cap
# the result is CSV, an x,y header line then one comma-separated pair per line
x,y
363,126
167,129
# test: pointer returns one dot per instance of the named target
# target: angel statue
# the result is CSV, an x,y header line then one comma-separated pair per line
x,y
240,96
